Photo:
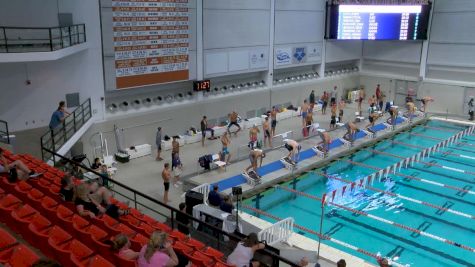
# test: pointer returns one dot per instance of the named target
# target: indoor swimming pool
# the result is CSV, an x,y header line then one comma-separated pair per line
x,y
422,215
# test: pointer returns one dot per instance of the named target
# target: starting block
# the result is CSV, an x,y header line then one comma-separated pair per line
x,y
345,142
318,151
288,163
388,126
368,133
252,178
360,118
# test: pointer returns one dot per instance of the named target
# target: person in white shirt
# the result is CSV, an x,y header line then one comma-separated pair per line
x,y
242,255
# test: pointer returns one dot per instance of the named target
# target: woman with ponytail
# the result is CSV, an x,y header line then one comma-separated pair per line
x,y
158,252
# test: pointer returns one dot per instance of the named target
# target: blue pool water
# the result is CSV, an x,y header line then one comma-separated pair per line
x,y
405,247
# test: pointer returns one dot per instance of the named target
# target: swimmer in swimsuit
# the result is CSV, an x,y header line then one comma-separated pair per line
x,y
294,149
225,141
254,155
304,112
326,141
253,133
266,130
333,116
273,116
352,129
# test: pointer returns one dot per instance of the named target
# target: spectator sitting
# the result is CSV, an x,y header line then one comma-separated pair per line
x,y
105,177
214,198
158,252
102,196
87,203
58,116
96,165
121,245
67,188
23,171
183,220
227,205
244,252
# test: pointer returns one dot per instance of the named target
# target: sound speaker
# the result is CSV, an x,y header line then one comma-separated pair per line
x,y
192,199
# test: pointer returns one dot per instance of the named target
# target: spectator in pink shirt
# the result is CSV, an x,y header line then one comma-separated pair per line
x,y
158,252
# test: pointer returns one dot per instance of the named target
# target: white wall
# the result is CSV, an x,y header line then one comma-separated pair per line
x,y
30,106
336,51
299,24
29,13
452,41
235,36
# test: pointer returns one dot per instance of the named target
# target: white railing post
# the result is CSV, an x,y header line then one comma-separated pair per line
x,y
278,232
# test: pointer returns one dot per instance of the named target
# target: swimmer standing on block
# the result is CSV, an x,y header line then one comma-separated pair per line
x,y
326,141
425,102
294,150
373,117
254,155
351,130
393,112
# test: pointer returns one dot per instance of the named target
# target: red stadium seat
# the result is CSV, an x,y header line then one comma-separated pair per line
x,y
18,256
79,252
22,218
54,190
211,252
43,186
182,248
81,228
178,236
7,205
2,193
35,198
39,228
7,241
197,245
64,218
223,264
95,261
124,262
198,259
156,224
98,236
140,226
60,243
21,190
49,207
137,241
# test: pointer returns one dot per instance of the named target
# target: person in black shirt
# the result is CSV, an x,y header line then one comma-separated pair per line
x,y
214,198
204,129
227,205
67,188
96,165
183,221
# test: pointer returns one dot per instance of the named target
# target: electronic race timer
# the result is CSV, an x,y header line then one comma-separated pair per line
x,y
204,85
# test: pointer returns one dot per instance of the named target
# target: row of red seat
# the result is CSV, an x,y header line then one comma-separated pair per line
x,y
43,201
12,253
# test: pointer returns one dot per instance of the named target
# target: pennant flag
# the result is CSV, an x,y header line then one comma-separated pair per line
x,y
324,197
353,186
343,190
333,195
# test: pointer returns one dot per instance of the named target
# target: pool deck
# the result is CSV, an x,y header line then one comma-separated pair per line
x,y
283,174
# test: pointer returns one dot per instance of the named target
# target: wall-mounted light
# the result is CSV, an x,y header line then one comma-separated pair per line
x,y
169,98
262,83
179,97
124,105
232,88
189,95
158,99
112,107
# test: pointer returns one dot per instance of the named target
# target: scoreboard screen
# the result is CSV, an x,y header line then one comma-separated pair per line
x,y
377,22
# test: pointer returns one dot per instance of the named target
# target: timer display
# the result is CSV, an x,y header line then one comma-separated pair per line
x,y
204,85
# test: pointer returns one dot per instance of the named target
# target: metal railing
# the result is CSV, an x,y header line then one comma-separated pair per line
x,y
39,39
208,233
55,138
4,133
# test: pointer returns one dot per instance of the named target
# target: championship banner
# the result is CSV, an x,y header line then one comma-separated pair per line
x,y
151,41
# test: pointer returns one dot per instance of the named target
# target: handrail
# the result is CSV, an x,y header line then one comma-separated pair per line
x,y
268,251
51,39
54,139
4,135
279,231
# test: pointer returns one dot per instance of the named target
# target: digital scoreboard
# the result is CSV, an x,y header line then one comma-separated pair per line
x,y
377,22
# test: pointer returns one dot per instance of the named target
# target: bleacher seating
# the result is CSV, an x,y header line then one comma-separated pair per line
x,y
34,210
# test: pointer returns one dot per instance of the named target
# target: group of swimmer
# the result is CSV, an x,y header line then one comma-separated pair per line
x,y
256,154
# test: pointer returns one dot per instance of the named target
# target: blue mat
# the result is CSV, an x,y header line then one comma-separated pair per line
x,y
399,120
239,179
378,127
335,143
230,182
359,135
